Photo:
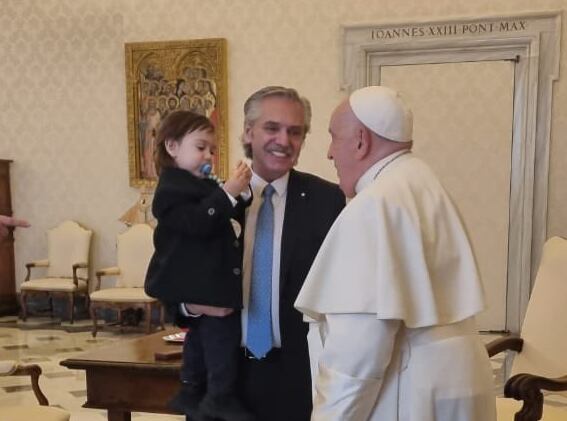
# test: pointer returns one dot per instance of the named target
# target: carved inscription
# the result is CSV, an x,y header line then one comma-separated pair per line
x,y
449,29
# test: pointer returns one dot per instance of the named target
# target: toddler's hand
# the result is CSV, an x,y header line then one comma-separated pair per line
x,y
238,180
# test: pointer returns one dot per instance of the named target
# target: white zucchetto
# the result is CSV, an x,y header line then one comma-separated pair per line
x,y
383,111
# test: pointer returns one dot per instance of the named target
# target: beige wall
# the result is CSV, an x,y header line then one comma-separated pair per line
x,y
63,103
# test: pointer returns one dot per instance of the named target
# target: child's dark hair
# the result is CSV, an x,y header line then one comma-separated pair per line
x,y
174,127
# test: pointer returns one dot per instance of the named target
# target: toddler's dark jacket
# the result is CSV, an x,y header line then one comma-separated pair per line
x,y
198,256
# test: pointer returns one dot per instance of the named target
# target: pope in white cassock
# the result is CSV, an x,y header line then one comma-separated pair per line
x,y
394,289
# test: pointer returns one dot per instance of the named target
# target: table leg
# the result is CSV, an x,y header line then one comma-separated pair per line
x,y
119,415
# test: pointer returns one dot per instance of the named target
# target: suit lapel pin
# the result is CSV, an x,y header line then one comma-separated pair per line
x,y
302,194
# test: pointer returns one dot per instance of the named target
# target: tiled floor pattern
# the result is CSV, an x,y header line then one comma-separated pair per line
x,y
66,388
63,387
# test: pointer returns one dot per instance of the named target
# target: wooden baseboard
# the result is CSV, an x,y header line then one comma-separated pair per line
x,y
8,305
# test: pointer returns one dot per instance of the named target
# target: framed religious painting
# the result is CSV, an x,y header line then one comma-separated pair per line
x,y
162,77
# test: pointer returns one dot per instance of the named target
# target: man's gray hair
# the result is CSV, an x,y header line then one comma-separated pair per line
x,y
252,109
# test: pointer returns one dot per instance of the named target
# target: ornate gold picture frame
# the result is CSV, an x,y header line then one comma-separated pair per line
x,y
164,76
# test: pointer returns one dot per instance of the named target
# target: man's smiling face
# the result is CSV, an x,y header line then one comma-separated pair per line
x,y
276,137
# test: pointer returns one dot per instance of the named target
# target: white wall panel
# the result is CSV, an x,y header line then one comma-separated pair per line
x,y
463,129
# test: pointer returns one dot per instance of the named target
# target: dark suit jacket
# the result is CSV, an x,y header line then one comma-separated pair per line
x,y
278,388
198,257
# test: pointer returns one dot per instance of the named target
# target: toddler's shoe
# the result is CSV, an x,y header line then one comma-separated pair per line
x,y
187,401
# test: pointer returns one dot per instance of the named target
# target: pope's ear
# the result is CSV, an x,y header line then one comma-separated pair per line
x,y
364,144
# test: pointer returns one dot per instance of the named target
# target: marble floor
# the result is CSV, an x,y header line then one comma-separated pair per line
x,y
46,344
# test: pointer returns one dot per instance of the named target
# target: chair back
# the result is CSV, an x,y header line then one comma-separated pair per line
x,y
545,323
135,249
67,244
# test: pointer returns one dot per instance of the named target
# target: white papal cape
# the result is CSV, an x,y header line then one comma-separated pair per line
x,y
393,292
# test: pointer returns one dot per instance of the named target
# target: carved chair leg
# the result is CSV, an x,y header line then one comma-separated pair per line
x,y
92,311
148,317
71,307
34,371
23,305
120,320
50,302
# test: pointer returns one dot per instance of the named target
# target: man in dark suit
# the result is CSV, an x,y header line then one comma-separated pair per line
x,y
276,383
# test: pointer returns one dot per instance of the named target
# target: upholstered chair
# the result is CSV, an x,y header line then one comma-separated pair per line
x,y
541,360
42,411
68,249
134,250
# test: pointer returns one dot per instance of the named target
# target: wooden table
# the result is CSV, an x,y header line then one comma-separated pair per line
x,y
126,377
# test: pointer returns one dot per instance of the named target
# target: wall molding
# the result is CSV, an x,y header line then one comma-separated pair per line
x,y
532,41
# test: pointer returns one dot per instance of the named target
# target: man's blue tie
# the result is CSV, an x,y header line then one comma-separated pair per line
x,y
259,337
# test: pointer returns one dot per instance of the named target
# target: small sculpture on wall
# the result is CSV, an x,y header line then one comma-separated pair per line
x,y
140,212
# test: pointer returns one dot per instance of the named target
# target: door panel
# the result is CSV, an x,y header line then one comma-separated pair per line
x,y
463,129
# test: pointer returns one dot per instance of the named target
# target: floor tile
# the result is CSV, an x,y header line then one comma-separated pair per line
x,y
47,347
